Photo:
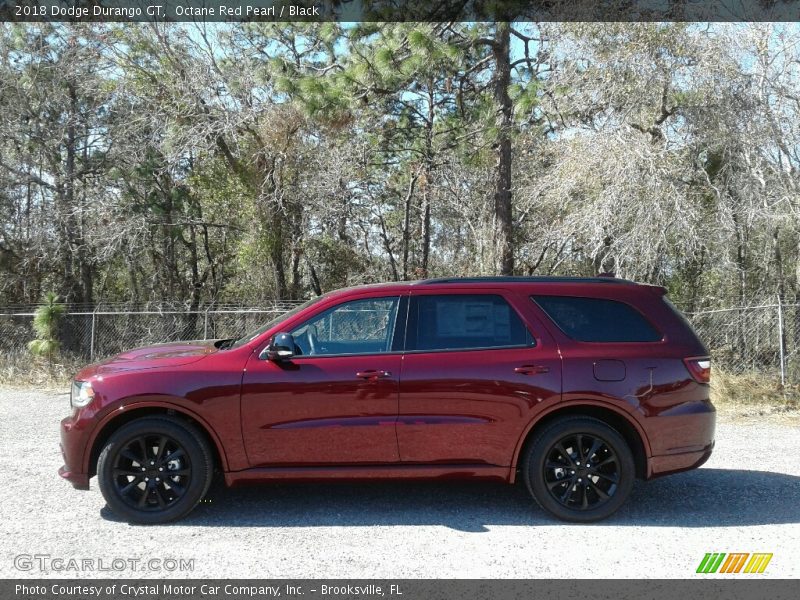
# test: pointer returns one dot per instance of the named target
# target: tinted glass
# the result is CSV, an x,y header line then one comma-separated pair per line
x,y
253,335
357,327
461,322
597,320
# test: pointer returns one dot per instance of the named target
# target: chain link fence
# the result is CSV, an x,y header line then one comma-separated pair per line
x,y
763,339
109,330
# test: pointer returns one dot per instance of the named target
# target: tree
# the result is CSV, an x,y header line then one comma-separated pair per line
x,y
45,324
243,163
51,144
498,89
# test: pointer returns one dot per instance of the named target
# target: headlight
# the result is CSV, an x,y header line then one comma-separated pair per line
x,y
81,394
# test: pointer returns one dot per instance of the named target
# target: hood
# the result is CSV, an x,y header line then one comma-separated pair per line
x,y
173,354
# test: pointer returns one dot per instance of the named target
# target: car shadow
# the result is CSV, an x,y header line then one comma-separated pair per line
x,y
700,498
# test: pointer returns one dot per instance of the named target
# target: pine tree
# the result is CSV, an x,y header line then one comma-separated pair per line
x,y
45,324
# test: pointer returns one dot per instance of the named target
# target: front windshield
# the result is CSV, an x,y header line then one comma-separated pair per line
x,y
282,317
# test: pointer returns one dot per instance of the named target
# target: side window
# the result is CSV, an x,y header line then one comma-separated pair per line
x,y
463,322
357,327
597,319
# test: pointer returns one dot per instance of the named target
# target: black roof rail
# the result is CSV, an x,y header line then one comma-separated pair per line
x,y
519,279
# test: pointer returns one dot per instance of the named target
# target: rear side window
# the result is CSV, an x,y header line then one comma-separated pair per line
x,y
597,319
464,322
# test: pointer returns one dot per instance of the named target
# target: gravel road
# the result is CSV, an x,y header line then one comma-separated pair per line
x,y
745,499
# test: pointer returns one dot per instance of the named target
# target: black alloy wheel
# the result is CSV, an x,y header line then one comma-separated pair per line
x,y
155,469
579,469
582,471
151,472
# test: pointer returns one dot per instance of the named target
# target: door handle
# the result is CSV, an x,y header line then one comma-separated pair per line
x,y
531,369
373,374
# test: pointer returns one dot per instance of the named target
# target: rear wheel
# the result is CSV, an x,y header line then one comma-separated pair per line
x,y
154,470
579,469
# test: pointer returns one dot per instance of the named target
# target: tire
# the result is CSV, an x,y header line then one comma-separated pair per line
x,y
154,470
559,479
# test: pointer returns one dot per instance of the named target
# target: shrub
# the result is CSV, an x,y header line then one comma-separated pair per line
x,y
45,324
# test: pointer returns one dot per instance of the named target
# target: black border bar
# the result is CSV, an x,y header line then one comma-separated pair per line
x,y
398,10
705,587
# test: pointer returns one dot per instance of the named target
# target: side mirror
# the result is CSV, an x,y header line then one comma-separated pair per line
x,y
281,347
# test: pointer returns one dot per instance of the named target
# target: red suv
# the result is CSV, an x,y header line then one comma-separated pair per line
x,y
574,385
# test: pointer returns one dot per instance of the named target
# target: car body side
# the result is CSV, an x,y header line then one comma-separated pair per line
x,y
462,414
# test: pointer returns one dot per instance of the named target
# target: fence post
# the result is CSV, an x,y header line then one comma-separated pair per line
x,y
780,341
91,341
205,325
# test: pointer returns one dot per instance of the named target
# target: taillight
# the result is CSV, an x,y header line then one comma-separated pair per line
x,y
699,368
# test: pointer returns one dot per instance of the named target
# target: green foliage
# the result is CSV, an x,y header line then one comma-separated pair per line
x,y
209,164
45,324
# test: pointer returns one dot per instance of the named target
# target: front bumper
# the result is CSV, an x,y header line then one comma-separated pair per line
x,y
80,481
73,443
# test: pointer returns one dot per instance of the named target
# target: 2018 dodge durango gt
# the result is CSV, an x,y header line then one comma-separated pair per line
x,y
575,386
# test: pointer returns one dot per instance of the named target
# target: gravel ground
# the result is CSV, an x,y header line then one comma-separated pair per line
x,y
745,499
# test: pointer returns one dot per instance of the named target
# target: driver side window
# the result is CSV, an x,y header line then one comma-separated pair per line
x,y
357,327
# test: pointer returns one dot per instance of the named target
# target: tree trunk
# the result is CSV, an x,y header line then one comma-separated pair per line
x,y
276,251
426,183
407,225
191,331
426,232
502,197
741,268
387,245
65,197
315,284
274,225
776,241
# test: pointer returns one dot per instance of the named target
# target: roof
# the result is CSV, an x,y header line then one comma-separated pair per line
x,y
393,286
514,279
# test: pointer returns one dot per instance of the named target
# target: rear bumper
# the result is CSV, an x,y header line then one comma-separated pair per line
x,y
675,463
681,438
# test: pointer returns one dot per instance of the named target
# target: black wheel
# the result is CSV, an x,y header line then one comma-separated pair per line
x,y
154,470
579,469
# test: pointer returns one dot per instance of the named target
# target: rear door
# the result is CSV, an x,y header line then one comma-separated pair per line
x,y
477,368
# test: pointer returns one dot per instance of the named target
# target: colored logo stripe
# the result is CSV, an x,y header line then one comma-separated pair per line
x,y
734,562
758,562
710,562
713,562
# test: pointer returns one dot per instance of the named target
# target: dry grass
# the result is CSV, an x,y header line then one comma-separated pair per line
x,y
753,394
21,369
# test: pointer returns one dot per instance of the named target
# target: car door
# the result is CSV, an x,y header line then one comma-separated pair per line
x,y
336,401
476,370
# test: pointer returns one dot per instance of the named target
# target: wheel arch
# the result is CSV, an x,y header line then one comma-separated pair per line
x,y
133,411
625,424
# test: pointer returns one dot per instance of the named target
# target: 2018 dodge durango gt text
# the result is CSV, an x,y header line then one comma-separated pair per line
x,y
576,386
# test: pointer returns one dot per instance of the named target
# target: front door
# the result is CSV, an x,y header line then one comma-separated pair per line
x,y
335,402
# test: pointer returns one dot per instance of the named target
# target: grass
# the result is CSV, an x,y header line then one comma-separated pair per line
x,y
753,394
21,369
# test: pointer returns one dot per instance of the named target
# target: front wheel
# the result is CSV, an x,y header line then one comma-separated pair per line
x,y
579,469
154,469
